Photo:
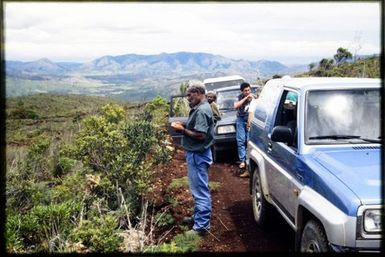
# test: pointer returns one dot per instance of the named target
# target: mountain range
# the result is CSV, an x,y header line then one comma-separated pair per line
x,y
133,76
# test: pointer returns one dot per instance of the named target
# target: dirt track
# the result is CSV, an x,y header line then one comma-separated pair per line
x,y
233,228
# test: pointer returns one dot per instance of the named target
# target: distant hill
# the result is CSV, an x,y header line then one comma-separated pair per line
x,y
132,76
181,63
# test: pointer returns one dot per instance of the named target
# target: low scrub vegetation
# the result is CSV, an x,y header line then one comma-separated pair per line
x,y
84,192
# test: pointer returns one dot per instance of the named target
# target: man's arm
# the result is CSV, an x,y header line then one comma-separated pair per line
x,y
194,134
240,102
178,126
249,118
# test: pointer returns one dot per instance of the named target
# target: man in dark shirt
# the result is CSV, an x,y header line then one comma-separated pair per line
x,y
212,98
198,136
242,106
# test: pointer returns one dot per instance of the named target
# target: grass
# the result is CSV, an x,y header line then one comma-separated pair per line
x,y
183,182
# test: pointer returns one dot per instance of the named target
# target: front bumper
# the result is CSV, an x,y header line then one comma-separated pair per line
x,y
226,142
369,246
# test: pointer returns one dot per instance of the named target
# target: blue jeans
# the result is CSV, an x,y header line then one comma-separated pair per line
x,y
198,177
242,136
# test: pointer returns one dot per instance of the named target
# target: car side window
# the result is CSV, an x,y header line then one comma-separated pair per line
x,y
287,113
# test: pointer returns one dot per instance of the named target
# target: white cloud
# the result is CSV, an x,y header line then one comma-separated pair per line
x,y
281,31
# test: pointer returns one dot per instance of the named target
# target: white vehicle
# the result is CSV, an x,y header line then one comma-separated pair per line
x,y
220,82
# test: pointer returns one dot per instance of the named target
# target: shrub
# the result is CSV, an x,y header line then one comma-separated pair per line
x,y
157,111
70,187
182,243
63,166
164,219
98,234
14,243
21,112
43,227
22,195
55,222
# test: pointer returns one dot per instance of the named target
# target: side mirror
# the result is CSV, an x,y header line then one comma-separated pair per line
x,y
282,134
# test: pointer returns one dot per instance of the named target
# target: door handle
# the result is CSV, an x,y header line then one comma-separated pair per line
x,y
269,146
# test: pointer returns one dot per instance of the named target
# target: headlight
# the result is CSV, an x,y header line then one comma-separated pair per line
x,y
226,129
372,221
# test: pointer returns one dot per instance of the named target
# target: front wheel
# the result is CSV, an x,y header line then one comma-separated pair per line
x,y
261,207
313,238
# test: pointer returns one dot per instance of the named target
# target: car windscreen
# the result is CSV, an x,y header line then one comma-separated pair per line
x,y
222,84
226,99
342,116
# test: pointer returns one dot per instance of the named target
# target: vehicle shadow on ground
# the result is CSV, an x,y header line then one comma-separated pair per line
x,y
227,157
276,237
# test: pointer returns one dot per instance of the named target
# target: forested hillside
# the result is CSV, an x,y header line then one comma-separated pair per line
x,y
344,65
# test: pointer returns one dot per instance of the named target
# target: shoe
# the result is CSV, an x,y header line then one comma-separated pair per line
x,y
188,221
200,232
245,174
242,165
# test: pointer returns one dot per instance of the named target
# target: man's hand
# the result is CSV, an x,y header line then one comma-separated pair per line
x,y
177,125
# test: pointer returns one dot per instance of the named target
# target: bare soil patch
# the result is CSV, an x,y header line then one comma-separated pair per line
x,y
233,228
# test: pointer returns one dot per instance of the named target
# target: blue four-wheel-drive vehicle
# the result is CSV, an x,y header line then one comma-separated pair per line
x,y
314,155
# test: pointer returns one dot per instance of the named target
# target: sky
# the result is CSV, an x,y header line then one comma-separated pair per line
x,y
288,32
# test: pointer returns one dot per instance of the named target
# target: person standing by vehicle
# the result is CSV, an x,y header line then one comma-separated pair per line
x,y
198,136
212,98
252,107
242,106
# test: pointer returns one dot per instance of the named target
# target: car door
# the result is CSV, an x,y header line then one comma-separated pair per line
x,y
283,164
179,110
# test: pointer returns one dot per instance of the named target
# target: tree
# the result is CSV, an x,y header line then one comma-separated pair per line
x,y
326,64
342,55
183,88
311,66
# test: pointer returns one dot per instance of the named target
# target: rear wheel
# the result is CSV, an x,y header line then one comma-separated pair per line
x,y
313,238
261,207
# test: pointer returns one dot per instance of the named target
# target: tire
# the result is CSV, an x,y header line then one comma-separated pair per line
x,y
261,208
313,238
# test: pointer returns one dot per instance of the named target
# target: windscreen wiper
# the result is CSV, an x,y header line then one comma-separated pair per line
x,y
337,137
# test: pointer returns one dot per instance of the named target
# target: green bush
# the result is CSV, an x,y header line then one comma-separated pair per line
x,y
25,194
63,166
182,243
70,187
22,112
98,234
44,227
14,243
54,221
164,219
157,111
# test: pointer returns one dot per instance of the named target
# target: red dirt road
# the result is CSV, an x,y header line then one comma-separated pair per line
x,y
233,228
